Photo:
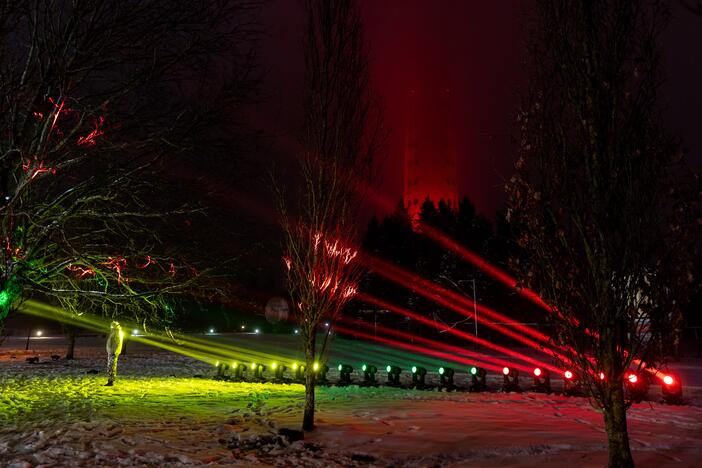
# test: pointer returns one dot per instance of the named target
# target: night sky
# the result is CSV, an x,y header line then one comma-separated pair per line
x,y
478,50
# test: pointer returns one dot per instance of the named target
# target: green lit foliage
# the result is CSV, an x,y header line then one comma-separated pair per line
x,y
88,128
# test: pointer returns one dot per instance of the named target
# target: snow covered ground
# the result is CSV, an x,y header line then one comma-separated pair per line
x,y
160,413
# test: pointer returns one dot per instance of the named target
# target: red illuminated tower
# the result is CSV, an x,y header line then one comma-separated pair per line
x,y
430,151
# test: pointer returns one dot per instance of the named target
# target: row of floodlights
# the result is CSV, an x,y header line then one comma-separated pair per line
x,y
636,386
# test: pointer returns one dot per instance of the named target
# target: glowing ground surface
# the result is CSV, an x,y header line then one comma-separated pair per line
x,y
54,413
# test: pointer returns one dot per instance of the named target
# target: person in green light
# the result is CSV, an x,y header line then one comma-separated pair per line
x,y
114,348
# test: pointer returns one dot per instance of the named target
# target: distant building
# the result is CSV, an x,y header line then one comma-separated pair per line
x,y
431,169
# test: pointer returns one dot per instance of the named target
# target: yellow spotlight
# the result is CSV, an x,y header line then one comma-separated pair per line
x,y
294,365
234,365
316,366
274,365
253,366
216,363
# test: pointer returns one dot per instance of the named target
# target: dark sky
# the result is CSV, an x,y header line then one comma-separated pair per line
x,y
476,49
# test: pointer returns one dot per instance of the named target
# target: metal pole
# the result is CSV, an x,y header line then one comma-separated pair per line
x,y
475,309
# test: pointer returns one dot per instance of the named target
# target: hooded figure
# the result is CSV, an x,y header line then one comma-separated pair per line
x,y
114,348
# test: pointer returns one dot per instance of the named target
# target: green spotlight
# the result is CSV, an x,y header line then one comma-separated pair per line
x,y
446,379
478,381
418,377
344,375
369,379
393,376
321,374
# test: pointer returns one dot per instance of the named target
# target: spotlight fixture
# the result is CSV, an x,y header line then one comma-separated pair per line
x,y
221,370
477,379
344,375
393,375
299,372
278,372
320,371
571,384
239,371
211,331
135,332
257,331
636,387
542,380
369,379
510,380
671,390
39,333
418,376
446,378
258,370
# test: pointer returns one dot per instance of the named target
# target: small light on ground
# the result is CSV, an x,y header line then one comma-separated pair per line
x,y
257,331
39,332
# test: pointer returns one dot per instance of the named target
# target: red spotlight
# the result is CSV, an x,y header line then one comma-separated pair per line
x,y
542,381
636,387
602,376
510,380
571,385
671,390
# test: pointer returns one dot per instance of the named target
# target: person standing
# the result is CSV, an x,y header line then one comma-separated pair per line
x,y
114,348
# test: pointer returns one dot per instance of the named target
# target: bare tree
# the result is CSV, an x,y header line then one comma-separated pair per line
x,y
601,201
341,136
99,100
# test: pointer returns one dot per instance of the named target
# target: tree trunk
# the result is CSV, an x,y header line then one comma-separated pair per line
x,y
615,424
71,344
308,418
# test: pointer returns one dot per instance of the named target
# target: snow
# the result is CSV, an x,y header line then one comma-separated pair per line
x,y
159,413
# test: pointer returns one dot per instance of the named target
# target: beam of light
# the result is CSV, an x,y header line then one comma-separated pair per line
x,y
482,264
204,351
418,349
461,334
454,301
456,350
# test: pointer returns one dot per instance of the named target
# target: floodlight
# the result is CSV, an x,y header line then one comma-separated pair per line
x,y
39,332
671,390
369,376
297,332
257,331
477,379
344,374
243,327
135,332
446,378
221,369
211,331
278,372
393,375
636,387
542,380
239,370
418,376
299,372
258,370
510,380
320,371
571,384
